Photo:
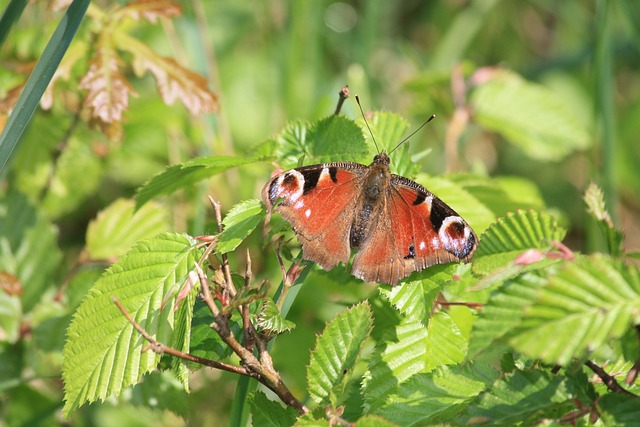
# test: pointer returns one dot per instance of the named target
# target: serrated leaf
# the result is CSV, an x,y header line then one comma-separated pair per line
x,y
521,398
102,355
388,129
585,305
510,236
267,413
445,343
270,319
118,227
529,115
402,354
28,248
503,311
426,399
174,82
186,174
617,409
415,299
337,138
336,352
289,146
241,220
182,334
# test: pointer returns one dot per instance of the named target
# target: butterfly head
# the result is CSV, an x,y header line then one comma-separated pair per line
x,y
381,159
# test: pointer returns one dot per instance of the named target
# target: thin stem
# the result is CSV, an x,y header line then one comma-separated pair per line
x,y
608,380
343,95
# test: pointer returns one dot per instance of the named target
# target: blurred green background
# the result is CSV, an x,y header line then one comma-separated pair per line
x,y
277,61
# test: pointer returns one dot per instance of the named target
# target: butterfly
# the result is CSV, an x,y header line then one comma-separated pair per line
x,y
396,225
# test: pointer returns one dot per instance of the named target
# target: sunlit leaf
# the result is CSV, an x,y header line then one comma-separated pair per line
x,y
594,198
120,226
107,89
175,82
510,236
103,353
336,352
186,174
585,305
241,220
336,138
529,115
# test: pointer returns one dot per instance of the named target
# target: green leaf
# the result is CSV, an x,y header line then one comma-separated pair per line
x,y
186,174
204,342
617,409
267,413
510,236
336,352
182,334
118,227
289,146
103,353
413,299
530,116
28,248
271,321
161,391
337,138
521,398
445,343
241,220
401,354
585,305
438,396
504,310
10,317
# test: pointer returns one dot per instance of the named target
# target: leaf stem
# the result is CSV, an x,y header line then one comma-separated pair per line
x,y
608,380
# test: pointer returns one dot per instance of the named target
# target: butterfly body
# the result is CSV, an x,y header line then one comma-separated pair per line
x,y
395,225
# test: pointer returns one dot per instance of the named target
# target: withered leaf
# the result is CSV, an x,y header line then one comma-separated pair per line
x,y
149,10
109,91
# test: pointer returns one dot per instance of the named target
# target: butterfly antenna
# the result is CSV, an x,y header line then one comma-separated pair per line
x,y
367,123
433,116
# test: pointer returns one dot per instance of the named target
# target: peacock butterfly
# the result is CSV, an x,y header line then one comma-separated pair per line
x,y
395,224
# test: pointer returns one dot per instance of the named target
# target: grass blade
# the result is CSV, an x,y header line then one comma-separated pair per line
x,y
40,78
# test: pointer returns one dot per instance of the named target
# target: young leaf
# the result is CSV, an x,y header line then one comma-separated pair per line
x,y
120,226
267,413
427,399
336,352
241,220
186,174
103,353
530,116
588,303
521,398
271,321
175,82
149,10
594,198
512,235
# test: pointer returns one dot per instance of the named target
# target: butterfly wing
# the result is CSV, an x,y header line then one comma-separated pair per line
x,y
319,202
415,230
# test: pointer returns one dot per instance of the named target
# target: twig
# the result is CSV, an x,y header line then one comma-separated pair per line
x,y
160,348
474,305
225,259
608,380
250,335
343,95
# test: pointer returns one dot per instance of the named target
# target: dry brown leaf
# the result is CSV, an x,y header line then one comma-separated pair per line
x,y
9,101
149,10
109,91
178,83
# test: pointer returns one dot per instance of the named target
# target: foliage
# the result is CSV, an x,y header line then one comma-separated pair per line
x,y
119,283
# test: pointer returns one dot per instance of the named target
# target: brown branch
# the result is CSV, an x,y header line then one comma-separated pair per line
x,y
158,347
343,95
225,259
608,380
